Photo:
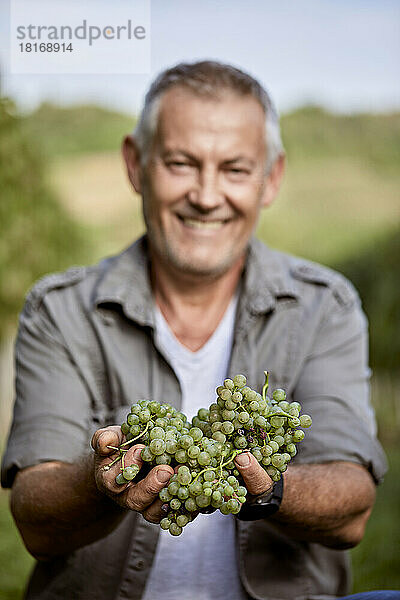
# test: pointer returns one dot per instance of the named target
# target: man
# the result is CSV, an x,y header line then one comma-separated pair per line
x,y
194,301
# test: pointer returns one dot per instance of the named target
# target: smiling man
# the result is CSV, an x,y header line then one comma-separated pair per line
x,y
193,301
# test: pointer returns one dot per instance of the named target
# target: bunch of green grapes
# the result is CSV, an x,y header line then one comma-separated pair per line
x,y
202,452
268,427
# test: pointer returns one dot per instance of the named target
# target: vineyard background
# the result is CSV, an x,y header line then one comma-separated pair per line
x,y
66,200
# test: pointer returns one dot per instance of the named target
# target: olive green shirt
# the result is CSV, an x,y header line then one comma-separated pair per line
x,y
86,351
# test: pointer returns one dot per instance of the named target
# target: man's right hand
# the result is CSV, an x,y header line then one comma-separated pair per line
x,y
141,496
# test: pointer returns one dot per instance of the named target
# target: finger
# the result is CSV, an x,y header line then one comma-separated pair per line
x,y
107,436
256,480
108,475
155,512
140,496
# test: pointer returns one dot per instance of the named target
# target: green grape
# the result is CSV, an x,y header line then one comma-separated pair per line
x,y
174,529
196,433
195,488
237,397
228,490
144,415
182,520
120,479
227,427
218,436
305,421
224,509
291,449
266,460
164,495
216,496
203,413
240,442
175,503
230,405
184,475
186,441
254,406
257,453
173,488
261,422
274,445
165,523
239,381
267,450
135,430
243,417
241,491
279,440
171,446
180,456
204,459
125,428
163,459
277,421
190,504
277,460
130,473
228,415
157,446
183,493
147,455
298,435
279,395
157,433
203,501
294,422
209,475
233,505
225,395
228,383
193,451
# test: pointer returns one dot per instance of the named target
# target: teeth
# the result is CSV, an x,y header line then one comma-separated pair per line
x,y
203,224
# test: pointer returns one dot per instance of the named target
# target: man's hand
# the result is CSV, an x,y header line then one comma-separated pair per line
x,y
142,496
326,503
256,480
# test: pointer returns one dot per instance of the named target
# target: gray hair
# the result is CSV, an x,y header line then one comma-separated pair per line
x,y
207,78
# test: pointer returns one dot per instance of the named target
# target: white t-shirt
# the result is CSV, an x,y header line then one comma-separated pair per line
x,y
201,563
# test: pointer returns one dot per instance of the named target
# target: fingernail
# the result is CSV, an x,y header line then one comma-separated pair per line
x,y
163,475
243,459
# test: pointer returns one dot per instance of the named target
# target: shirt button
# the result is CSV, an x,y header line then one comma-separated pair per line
x,y
139,565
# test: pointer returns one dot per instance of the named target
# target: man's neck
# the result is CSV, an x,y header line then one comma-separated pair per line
x,y
192,306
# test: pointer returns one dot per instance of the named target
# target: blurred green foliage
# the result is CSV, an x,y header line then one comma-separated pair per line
x,y
77,129
36,235
312,132
375,273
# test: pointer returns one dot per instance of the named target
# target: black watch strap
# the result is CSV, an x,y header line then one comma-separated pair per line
x,y
264,505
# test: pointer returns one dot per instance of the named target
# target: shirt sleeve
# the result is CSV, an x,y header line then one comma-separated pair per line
x,y
52,404
333,388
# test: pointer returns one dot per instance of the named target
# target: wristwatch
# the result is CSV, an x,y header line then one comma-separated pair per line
x,y
264,505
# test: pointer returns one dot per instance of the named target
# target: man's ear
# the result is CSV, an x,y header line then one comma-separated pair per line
x,y
273,181
131,156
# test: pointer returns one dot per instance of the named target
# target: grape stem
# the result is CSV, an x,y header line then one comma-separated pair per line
x,y
265,386
122,450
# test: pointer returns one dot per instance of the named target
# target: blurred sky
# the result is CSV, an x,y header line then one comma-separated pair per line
x,y
343,54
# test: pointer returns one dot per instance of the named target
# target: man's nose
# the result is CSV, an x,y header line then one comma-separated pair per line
x,y
206,195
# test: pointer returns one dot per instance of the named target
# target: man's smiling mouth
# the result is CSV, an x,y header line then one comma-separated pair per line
x,y
200,224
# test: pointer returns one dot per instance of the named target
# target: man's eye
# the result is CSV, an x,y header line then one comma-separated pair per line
x,y
237,171
178,164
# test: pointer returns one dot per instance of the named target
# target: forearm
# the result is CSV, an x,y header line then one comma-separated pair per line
x,y
58,508
328,503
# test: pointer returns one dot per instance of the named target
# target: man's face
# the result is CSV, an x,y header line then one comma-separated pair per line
x,y
204,180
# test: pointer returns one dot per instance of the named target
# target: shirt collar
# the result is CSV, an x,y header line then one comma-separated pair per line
x,y
125,281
